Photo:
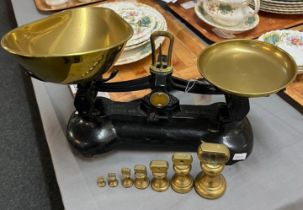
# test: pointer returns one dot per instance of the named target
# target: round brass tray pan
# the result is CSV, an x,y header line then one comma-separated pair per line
x,y
247,68
70,46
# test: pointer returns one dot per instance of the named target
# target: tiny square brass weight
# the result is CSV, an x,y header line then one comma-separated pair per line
x,y
159,169
182,182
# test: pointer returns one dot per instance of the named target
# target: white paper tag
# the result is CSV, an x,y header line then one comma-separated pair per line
x,y
188,4
167,1
240,156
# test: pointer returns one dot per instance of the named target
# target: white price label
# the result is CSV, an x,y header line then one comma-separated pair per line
x,y
240,156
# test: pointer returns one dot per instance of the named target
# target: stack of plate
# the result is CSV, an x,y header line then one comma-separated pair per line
x,y
289,40
282,6
144,20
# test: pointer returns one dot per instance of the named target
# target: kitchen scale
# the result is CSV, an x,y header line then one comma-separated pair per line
x,y
55,49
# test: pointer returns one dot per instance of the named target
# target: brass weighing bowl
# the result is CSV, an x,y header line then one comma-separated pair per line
x,y
247,68
71,46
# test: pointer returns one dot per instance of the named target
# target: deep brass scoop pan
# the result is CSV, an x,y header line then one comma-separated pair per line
x,y
247,68
70,46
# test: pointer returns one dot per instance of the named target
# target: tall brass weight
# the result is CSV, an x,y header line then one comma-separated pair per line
x,y
159,169
182,182
210,183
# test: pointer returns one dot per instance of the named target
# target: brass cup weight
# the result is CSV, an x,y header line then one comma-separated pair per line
x,y
210,183
237,69
182,182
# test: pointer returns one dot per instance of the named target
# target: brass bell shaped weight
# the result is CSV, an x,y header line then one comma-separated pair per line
x,y
112,180
159,169
101,181
210,183
141,179
126,178
182,182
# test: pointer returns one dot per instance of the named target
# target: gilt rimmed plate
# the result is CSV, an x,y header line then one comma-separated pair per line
x,y
289,40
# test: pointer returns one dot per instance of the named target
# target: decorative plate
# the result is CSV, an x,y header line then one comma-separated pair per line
x,y
282,8
289,40
160,25
246,25
141,17
138,47
281,12
282,2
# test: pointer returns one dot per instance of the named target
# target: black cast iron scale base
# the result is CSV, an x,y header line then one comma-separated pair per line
x,y
100,124
157,121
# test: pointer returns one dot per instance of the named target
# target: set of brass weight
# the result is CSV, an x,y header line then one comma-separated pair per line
x,y
209,183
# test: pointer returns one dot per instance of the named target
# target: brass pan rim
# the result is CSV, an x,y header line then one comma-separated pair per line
x,y
239,93
14,52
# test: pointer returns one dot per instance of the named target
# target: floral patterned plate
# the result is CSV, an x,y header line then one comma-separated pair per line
x,y
141,17
144,20
246,25
160,25
289,40
142,51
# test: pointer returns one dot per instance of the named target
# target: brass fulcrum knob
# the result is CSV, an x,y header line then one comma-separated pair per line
x,y
182,182
210,183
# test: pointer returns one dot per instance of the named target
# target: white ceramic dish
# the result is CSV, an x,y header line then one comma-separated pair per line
x,y
246,25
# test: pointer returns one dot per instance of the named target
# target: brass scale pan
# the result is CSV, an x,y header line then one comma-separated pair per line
x,y
72,46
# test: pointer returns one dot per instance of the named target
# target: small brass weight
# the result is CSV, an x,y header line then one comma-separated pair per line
x,y
101,181
141,179
159,169
210,183
112,180
126,179
182,182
